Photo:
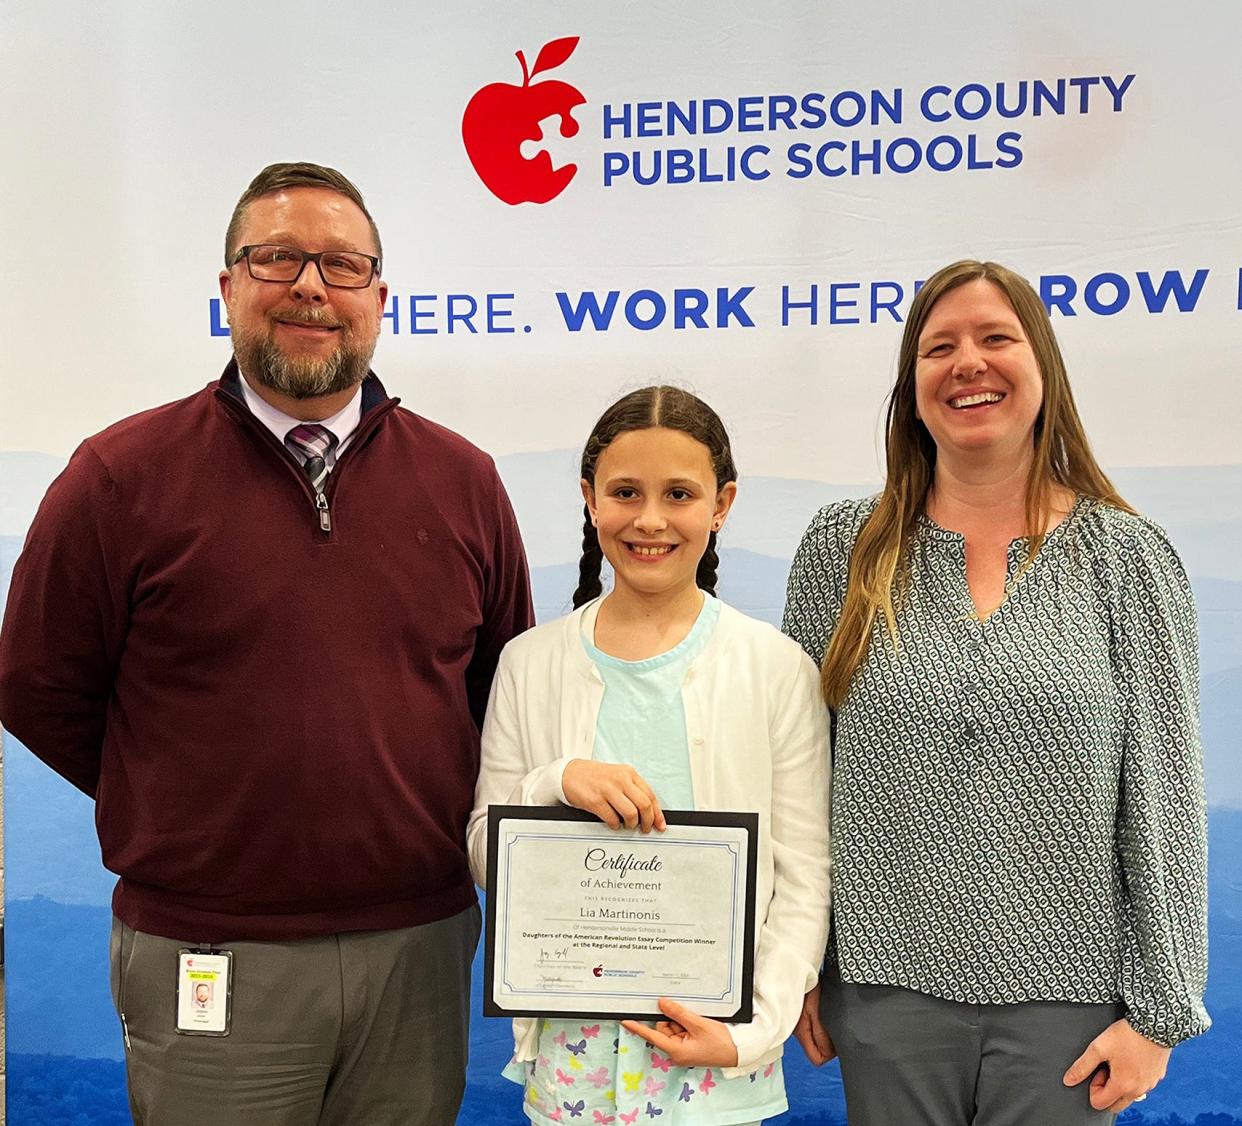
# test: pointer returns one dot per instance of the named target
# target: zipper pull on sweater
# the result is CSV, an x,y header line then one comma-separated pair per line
x,y
325,516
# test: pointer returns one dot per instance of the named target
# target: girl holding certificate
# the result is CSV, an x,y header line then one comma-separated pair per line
x,y
657,696
1019,905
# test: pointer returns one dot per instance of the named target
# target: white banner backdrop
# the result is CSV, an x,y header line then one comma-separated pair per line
x,y
739,197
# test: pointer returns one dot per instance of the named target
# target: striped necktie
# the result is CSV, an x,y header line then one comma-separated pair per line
x,y
311,444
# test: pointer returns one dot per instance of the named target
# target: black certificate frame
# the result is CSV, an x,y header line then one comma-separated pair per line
x,y
724,819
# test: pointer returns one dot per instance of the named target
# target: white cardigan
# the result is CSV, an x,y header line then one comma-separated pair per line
x,y
756,728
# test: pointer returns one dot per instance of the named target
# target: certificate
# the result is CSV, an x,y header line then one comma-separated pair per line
x,y
588,921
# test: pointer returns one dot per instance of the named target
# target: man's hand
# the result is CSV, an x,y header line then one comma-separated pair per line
x,y
1133,1065
688,1039
618,795
811,1034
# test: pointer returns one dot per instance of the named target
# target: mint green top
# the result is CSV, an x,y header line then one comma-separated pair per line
x,y
642,720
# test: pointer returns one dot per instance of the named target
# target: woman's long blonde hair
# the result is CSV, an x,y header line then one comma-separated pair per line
x,y
879,563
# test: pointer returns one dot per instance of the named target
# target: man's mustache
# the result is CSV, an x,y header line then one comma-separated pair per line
x,y
306,317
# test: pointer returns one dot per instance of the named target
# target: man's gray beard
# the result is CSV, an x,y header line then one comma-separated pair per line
x,y
300,377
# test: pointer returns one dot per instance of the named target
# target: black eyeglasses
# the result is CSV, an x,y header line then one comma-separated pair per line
x,y
345,269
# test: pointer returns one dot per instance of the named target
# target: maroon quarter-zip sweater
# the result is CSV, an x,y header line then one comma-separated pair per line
x,y
274,698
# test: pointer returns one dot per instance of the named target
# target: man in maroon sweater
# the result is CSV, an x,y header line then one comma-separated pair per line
x,y
259,626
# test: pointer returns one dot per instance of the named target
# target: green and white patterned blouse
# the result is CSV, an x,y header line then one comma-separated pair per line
x,y
1018,807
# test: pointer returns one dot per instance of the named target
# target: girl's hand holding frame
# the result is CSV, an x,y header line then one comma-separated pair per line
x,y
617,794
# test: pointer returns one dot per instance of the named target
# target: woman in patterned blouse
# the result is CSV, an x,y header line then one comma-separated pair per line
x,y
1019,832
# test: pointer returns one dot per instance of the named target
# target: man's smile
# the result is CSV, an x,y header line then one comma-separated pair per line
x,y
313,328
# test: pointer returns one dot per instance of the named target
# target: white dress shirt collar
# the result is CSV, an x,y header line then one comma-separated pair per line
x,y
342,424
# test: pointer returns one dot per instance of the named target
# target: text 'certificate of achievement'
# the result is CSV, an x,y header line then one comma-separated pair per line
x,y
588,921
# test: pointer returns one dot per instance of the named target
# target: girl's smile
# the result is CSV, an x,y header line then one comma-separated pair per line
x,y
650,550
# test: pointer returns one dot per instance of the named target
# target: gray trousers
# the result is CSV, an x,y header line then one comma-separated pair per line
x,y
908,1059
366,1027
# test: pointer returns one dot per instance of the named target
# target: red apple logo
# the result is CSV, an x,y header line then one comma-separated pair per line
x,y
501,117
598,971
